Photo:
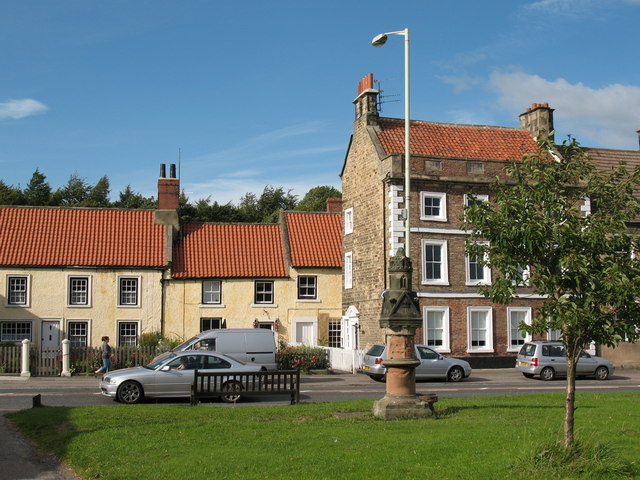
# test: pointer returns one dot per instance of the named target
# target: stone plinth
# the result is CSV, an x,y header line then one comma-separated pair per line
x,y
391,407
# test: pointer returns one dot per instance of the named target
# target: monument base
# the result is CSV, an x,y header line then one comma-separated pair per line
x,y
391,407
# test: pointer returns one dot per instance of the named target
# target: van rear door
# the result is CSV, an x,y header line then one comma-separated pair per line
x,y
261,348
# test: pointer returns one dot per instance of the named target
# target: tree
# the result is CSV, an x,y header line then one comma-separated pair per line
x,y
38,191
132,200
581,264
266,208
74,193
10,195
315,200
98,195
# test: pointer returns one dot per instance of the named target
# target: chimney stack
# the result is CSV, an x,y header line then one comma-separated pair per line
x,y
367,100
168,188
538,120
334,205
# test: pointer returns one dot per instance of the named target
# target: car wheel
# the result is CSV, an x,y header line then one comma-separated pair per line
x,y
528,375
548,373
130,392
455,374
379,378
233,387
602,373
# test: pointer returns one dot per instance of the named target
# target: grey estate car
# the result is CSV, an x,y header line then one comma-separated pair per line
x,y
432,365
548,359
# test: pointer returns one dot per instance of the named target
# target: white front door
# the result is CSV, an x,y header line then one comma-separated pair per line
x,y
305,333
50,334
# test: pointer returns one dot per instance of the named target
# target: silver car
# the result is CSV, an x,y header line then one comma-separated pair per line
x,y
171,375
432,365
548,359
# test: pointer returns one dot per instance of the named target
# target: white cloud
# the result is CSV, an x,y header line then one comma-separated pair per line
x,y
17,109
608,116
461,82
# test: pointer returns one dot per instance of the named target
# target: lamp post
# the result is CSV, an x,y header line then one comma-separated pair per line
x,y
378,41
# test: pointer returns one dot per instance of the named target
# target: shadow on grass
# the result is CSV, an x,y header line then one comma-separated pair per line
x,y
449,411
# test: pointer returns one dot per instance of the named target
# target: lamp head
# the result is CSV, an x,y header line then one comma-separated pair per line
x,y
379,40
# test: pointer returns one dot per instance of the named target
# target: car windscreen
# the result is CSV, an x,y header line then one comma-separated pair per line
x,y
376,351
184,345
163,358
528,350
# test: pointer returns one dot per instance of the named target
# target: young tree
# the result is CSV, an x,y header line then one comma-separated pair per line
x,y
581,263
74,193
10,195
98,195
132,200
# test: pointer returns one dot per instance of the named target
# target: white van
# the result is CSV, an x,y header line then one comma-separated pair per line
x,y
249,345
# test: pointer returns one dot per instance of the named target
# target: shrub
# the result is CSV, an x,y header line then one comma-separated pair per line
x,y
302,358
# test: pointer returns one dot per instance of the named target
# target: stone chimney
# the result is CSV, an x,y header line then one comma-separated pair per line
x,y
538,120
334,205
367,100
168,188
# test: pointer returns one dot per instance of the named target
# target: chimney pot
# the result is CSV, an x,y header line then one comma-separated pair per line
x,y
172,170
163,170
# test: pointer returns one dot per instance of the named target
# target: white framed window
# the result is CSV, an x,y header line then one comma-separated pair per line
x,y
348,270
468,201
211,292
129,291
18,290
479,329
435,270
477,273
554,335
335,333
78,333
517,337
307,287
433,206
15,331
127,333
79,288
436,328
263,291
348,221
209,323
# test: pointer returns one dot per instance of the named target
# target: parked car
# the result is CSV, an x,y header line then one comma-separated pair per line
x,y
249,345
432,365
548,359
171,375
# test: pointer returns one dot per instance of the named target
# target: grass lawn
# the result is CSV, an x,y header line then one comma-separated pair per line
x,y
474,438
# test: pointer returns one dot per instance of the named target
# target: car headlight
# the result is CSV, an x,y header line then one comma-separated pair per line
x,y
111,381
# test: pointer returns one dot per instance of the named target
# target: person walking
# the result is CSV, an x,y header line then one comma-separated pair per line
x,y
106,357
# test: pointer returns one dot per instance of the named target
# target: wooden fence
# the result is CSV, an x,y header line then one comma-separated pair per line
x,y
83,360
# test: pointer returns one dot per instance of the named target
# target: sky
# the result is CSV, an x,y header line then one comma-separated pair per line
x,y
248,94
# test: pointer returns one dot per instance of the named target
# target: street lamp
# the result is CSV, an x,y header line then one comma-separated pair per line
x,y
378,41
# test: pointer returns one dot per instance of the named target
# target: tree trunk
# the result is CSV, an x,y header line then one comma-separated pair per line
x,y
570,399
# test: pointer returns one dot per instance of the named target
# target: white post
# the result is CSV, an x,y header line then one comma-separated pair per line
x,y
25,358
65,358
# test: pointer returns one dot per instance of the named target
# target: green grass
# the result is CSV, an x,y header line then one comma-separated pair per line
x,y
474,438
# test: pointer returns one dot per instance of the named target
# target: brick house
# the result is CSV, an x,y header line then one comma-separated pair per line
x,y
448,162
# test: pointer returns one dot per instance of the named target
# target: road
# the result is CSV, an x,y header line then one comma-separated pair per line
x,y
16,393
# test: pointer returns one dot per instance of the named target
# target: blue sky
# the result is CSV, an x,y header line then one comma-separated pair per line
x,y
257,93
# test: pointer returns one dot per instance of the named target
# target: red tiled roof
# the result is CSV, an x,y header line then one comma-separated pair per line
x,y
229,250
457,141
40,236
607,159
315,239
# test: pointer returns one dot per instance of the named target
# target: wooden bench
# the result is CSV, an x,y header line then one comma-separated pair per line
x,y
275,382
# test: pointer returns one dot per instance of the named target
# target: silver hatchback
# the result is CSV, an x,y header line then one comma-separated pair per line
x,y
432,365
548,359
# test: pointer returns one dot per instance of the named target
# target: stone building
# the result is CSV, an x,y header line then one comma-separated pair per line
x,y
448,162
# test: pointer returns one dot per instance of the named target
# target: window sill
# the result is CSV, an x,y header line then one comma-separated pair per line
x,y
308,300
128,306
264,305
212,305
78,306
433,219
480,350
435,283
